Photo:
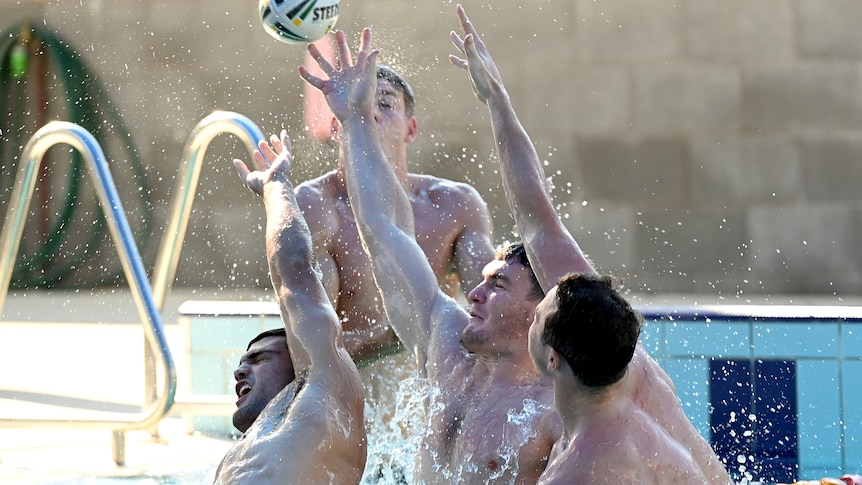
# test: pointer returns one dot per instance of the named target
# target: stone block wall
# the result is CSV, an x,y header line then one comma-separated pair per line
x,y
694,145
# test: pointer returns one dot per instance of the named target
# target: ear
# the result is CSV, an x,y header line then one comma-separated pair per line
x,y
335,129
412,130
555,360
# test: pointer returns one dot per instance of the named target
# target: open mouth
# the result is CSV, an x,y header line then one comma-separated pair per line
x,y
242,388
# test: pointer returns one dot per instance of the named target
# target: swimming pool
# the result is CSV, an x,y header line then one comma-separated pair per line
x,y
774,388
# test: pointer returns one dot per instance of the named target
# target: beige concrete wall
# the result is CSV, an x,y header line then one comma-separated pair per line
x,y
695,145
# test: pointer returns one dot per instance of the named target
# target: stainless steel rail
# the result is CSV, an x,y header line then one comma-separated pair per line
x,y
172,241
187,183
154,409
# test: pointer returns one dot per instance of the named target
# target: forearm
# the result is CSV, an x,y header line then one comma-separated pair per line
x,y
375,192
520,167
290,258
288,240
384,218
552,250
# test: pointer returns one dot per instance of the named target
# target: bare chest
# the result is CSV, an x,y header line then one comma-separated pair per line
x,y
436,233
483,435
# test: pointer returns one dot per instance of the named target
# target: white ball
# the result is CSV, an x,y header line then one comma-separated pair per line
x,y
298,21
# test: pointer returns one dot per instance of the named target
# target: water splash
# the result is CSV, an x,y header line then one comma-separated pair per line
x,y
520,428
393,441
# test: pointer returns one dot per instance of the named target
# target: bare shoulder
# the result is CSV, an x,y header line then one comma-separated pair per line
x,y
318,190
317,197
443,190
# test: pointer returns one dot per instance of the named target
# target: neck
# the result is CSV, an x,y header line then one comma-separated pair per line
x,y
399,166
579,405
511,369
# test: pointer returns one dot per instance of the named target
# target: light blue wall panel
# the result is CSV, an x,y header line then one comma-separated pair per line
x,y
794,340
853,416
819,414
653,340
211,374
218,333
691,378
851,340
701,339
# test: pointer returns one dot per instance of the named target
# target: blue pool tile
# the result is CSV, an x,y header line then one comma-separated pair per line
x,y
713,339
691,378
794,340
653,339
819,413
851,340
853,416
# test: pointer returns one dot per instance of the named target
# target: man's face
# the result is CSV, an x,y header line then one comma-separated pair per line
x,y
538,350
264,370
395,129
501,309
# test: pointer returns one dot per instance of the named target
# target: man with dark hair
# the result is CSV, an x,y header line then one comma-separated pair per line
x,y
489,416
594,328
264,370
307,429
621,416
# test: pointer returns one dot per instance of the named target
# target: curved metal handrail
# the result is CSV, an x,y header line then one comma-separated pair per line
x,y
57,132
187,182
172,241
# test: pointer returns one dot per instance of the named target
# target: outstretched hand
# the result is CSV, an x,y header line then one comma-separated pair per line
x,y
476,60
273,163
351,85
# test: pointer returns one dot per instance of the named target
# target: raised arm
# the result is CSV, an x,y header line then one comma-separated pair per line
x,y
383,213
313,333
552,250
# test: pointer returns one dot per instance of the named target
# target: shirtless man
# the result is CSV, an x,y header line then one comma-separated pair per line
x,y
622,418
309,429
476,363
453,226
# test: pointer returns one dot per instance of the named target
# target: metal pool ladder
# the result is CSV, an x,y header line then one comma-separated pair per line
x,y
149,299
172,241
154,410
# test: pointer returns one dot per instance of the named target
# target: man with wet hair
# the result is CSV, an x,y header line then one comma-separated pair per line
x,y
307,429
622,419
593,328
453,227
266,369
489,416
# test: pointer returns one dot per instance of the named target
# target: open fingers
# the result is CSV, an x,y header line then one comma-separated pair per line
x,y
344,57
241,168
266,150
285,141
468,27
321,60
458,62
457,40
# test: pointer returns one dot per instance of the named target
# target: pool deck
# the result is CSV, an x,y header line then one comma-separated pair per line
x,y
66,354
62,369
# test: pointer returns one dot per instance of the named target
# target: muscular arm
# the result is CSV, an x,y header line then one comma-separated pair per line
x,y
313,333
552,250
381,208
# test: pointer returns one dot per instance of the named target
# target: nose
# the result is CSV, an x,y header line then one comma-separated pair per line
x,y
241,372
477,294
